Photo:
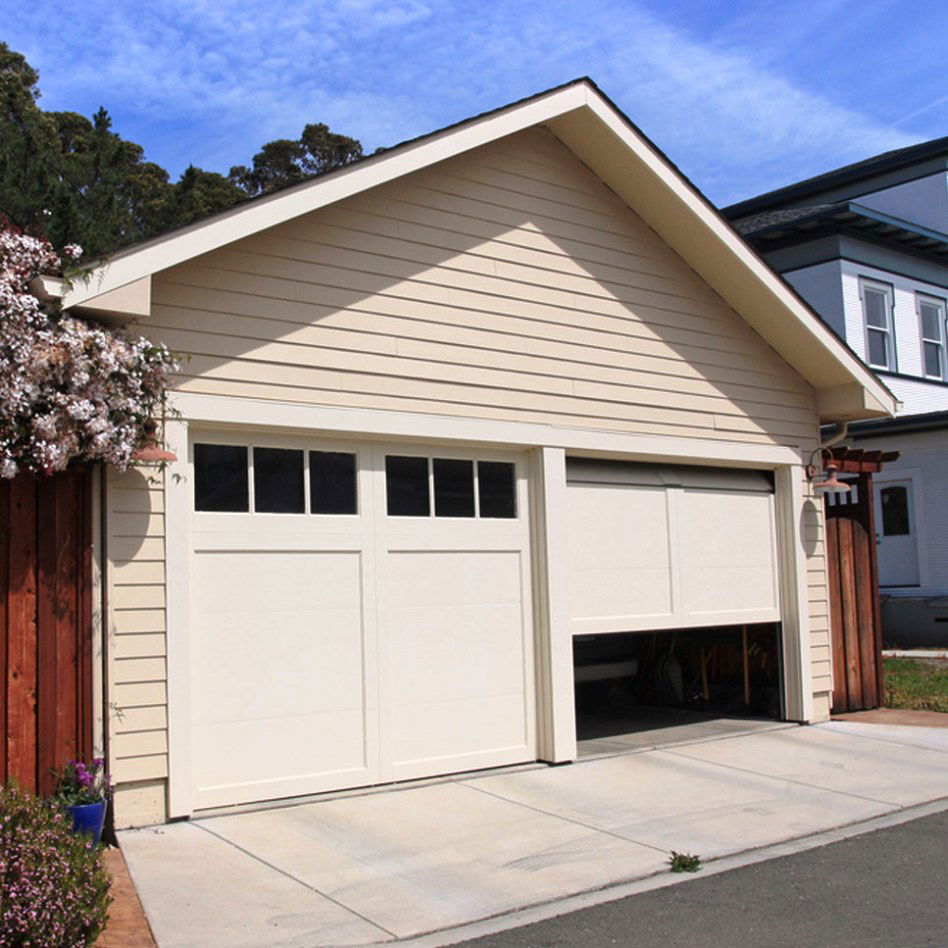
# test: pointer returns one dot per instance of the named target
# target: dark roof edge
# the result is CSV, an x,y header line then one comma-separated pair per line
x,y
904,424
857,171
832,211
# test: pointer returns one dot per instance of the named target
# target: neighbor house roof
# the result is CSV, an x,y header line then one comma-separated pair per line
x,y
770,229
594,129
888,161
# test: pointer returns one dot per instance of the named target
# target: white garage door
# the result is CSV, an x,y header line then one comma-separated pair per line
x,y
655,547
359,614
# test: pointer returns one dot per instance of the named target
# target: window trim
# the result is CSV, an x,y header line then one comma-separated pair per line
x,y
888,291
942,307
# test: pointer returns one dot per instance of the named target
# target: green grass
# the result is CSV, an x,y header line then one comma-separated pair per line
x,y
915,685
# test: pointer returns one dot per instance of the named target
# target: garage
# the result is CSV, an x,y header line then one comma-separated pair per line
x,y
673,601
359,613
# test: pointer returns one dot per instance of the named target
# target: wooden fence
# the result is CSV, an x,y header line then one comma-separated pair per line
x,y
45,625
854,599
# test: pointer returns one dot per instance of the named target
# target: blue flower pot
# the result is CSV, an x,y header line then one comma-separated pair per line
x,y
88,818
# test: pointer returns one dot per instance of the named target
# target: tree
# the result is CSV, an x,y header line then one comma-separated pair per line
x,y
70,179
285,161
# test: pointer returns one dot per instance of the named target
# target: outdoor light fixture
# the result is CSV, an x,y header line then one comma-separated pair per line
x,y
152,452
830,484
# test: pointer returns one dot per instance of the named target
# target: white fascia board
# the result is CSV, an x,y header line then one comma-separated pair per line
x,y
260,214
687,222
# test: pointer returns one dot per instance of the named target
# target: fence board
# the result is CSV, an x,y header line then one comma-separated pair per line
x,y
45,608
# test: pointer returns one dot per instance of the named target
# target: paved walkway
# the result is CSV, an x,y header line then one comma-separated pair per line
x,y
379,866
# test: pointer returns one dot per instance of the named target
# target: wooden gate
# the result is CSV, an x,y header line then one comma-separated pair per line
x,y
855,621
45,625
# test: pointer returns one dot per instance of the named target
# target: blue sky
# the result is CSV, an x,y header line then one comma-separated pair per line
x,y
744,96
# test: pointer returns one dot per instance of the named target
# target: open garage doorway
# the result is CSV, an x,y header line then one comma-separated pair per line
x,y
639,690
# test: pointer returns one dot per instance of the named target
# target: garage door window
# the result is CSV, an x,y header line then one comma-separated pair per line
x,y
453,488
332,482
462,488
220,478
496,489
406,486
277,480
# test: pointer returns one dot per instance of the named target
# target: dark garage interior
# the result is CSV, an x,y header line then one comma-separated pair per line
x,y
636,690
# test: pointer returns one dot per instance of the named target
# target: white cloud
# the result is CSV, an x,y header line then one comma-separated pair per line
x,y
211,80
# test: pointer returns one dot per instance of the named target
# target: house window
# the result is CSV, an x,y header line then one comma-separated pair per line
x,y
877,311
895,511
332,482
277,480
931,315
220,478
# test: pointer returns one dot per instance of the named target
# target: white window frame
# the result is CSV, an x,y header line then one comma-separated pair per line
x,y
888,330
939,304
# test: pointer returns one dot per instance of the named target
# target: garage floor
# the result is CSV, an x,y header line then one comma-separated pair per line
x,y
607,731
380,866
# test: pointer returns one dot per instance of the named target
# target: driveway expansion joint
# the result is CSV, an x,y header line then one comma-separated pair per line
x,y
567,819
297,880
878,740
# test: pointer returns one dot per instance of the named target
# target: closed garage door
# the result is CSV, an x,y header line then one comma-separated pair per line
x,y
359,613
658,547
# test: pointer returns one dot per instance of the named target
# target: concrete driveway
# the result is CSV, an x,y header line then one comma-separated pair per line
x,y
390,864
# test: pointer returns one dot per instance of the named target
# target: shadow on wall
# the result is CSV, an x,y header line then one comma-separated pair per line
x,y
510,283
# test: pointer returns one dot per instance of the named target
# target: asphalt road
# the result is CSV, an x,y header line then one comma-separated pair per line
x,y
889,887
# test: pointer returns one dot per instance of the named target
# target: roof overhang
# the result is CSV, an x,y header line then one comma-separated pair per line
x,y
614,149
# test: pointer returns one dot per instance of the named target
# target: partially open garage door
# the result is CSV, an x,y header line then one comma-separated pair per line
x,y
358,613
660,547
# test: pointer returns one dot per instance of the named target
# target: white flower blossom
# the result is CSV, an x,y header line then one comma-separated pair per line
x,y
69,391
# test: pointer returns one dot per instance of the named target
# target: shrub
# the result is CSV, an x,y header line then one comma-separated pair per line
x,y
53,886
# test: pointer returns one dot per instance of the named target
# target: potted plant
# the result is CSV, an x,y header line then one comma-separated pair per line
x,y
84,793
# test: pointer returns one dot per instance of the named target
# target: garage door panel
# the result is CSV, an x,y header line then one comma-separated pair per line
x,y
728,555
698,550
437,577
482,654
468,698
619,552
255,679
277,646
271,581
240,761
436,737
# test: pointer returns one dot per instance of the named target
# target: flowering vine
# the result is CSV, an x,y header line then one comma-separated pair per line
x,y
69,390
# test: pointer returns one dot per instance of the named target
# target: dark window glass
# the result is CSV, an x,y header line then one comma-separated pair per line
x,y
876,308
220,477
406,486
895,512
332,482
496,489
878,349
277,480
932,359
453,488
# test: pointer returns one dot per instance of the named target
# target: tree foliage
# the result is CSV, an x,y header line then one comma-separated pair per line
x,y
72,179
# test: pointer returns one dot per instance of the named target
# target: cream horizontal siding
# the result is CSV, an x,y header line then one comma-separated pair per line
x,y
507,284
135,531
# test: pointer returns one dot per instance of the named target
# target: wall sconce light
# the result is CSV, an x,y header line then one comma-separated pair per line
x,y
830,484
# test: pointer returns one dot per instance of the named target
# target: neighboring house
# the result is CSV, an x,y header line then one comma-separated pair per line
x,y
867,246
446,410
